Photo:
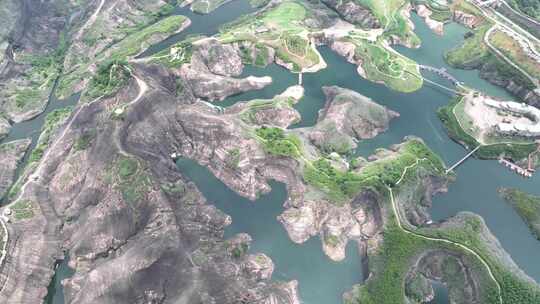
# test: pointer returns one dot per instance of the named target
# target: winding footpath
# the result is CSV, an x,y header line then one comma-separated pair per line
x,y
442,240
34,177
508,60
90,21
143,87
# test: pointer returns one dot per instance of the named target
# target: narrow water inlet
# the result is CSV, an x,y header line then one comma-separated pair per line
x,y
55,291
321,280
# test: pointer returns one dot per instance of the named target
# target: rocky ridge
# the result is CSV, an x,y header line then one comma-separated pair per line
x,y
354,13
11,154
4,128
425,13
348,117
209,72
123,228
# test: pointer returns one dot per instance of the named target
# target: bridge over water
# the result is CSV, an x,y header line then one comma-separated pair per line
x,y
441,72
459,162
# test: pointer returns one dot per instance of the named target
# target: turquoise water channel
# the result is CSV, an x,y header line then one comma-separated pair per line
x,y
474,190
321,280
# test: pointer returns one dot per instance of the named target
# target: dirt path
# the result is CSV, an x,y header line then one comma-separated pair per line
x,y
443,240
508,60
90,21
143,88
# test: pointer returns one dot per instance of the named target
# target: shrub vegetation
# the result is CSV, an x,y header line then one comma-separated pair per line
x,y
276,142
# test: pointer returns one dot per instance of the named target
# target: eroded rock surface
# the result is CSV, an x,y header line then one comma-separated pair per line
x,y
214,87
4,128
434,25
347,117
136,230
217,58
354,13
29,65
11,154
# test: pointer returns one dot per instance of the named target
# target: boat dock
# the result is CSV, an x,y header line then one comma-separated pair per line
x,y
523,172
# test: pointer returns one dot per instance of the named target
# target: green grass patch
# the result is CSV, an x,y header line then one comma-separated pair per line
x,y
133,182
515,289
471,52
529,7
383,65
52,122
389,13
341,186
26,97
261,55
84,141
22,209
526,205
110,77
137,41
276,142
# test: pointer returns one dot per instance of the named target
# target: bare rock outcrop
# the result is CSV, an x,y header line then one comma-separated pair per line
x,y
217,58
29,66
258,266
5,126
425,13
136,229
216,88
354,13
468,20
11,154
346,118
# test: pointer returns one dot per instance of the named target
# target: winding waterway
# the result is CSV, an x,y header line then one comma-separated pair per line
x,y
477,182
321,280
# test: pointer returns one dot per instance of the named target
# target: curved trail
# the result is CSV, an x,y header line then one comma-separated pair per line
x,y
90,21
143,88
443,240
34,177
508,60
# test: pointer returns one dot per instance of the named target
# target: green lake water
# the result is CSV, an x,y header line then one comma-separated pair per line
x,y
55,293
321,280
477,180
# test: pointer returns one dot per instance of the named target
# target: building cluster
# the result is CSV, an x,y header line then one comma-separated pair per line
x,y
528,128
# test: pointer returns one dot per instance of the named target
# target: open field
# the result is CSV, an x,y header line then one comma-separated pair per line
x,y
478,120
